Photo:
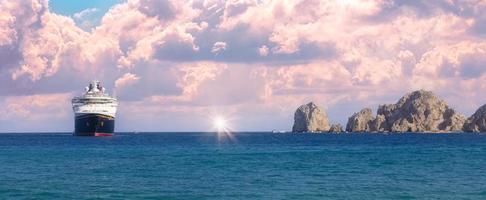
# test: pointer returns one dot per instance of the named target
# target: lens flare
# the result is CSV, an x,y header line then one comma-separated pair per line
x,y
222,128
220,123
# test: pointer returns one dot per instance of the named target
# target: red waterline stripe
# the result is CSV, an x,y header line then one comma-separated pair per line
x,y
103,134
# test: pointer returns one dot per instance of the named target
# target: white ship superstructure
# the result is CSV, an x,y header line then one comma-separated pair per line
x,y
95,101
94,111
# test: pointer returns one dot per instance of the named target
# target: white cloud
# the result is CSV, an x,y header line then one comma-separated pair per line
x,y
85,13
218,47
263,50
125,80
277,53
87,19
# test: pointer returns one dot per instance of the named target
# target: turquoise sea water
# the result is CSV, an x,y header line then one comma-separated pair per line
x,y
249,166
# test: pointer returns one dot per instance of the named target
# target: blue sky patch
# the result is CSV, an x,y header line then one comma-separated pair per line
x,y
94,10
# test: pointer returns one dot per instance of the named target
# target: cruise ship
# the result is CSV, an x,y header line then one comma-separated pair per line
x,y
94,112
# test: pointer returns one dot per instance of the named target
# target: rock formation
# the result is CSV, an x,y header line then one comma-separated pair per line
x,y
360,121
378,124
419,111
336,128
477,122
310,118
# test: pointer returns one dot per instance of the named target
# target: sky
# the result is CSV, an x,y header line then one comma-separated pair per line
x,y
175,65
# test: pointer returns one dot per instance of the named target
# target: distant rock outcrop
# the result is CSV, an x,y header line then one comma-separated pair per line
x,y
477,122
419,111
378,124
310,118
336,128
360,121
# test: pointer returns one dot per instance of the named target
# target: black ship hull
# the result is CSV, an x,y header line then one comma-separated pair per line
x,y
94,125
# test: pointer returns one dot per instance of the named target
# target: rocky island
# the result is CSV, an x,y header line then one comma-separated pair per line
x,y
310,118
477,122
418,111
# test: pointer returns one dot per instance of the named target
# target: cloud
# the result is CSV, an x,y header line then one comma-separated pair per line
x,y
245,57
40,39
218,47
86,12
143,35
458,60
263,50
126,79
7,33
35,107
87,18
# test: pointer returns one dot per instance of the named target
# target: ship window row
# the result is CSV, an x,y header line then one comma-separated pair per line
x,y
95,111
94,102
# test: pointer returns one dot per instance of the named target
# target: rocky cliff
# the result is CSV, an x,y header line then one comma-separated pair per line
x,y
419,111
336,128
477,122
310,118
360,121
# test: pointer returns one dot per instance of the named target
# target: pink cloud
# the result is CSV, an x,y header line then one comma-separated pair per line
x,y
270,55
36,107
44,37
138,28
191,76
126,79
218,47
263,50
7,33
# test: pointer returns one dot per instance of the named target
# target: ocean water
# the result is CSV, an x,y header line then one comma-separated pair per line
x,y
246,166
